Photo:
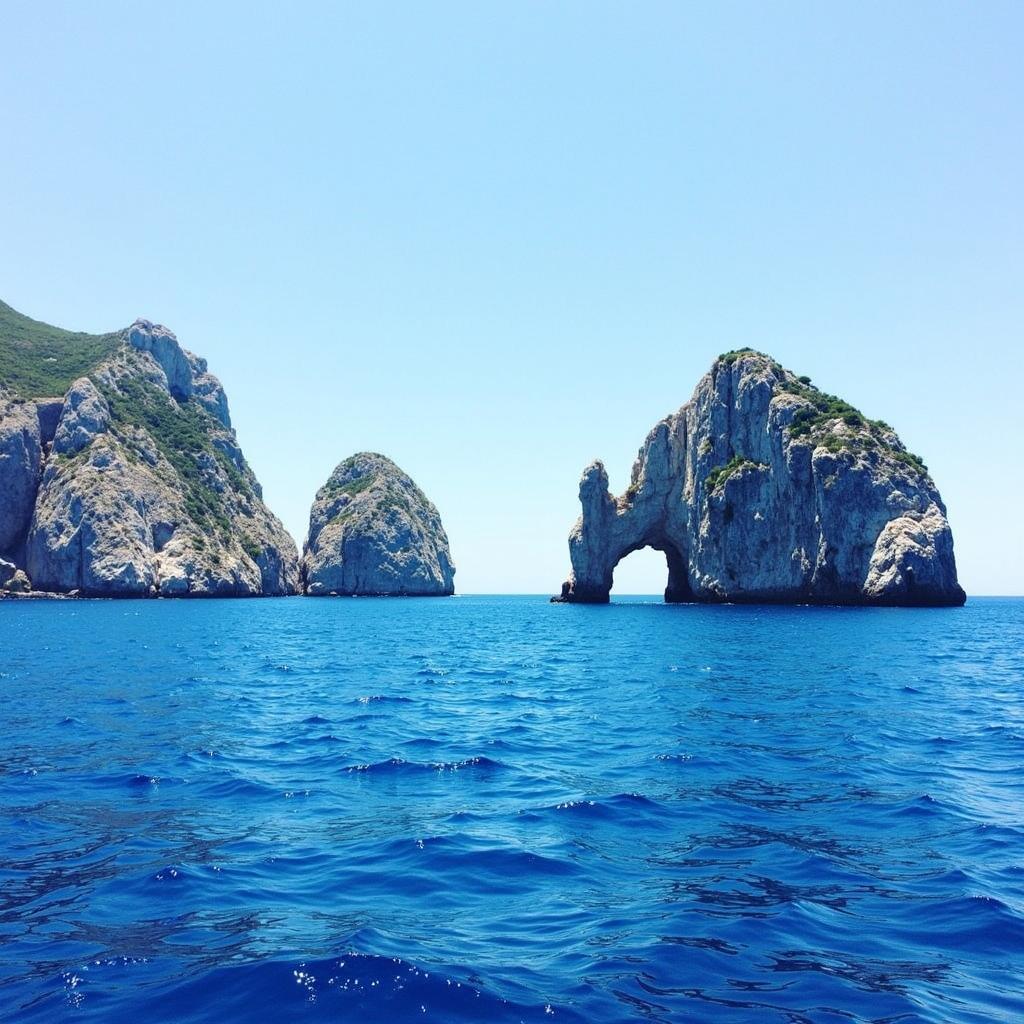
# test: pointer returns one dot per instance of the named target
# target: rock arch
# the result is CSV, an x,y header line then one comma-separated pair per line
x,y
609,530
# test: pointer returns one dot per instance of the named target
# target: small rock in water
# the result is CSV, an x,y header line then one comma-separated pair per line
x,y
372,531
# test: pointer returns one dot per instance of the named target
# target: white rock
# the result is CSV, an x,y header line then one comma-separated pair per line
x,y
85,414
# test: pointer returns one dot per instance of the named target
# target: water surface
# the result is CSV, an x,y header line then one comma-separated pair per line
x,y
496,809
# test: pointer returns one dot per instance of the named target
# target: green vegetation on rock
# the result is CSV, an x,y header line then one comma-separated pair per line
x,y
349,487
41,361
732,355
815,423
182,434
718,476
395,498
251,547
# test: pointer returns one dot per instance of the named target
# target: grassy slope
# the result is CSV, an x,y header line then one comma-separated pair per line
x,y
184,433
41,361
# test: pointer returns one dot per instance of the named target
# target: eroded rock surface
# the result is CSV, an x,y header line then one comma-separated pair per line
x,y
763,488
373,531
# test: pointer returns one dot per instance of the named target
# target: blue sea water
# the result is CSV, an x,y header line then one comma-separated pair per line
x,y
496,809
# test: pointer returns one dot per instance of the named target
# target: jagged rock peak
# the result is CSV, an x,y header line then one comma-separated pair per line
x,y
372,531
186,374
764,488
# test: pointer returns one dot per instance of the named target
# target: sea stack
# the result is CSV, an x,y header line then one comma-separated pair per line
x,y
120,473
762,488
373,532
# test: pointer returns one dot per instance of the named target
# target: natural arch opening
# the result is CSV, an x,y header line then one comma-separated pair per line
x,y
642,571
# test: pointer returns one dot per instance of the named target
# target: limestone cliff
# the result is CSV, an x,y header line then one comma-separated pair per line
x,y
120,474
373,531
763,488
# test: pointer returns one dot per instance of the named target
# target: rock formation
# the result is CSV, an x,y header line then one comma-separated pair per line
x,y
373,531
764,489
132,483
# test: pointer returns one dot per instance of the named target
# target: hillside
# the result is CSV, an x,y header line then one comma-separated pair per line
x,y
120,473
38,360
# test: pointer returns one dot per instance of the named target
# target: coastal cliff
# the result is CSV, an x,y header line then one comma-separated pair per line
x,y
372,531
120,473
762,488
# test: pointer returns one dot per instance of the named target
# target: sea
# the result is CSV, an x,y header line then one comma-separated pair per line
x,y
496,809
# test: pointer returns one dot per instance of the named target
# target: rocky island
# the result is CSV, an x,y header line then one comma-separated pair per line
x,y
762,488
372,531
120,473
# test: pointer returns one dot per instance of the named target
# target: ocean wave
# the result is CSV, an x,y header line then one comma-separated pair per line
x,y
400,766
140,781
618,809
477,864
236,788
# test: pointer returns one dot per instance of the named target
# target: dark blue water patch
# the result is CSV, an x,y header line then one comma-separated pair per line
x,y
401,767
351,986
139,781
490,809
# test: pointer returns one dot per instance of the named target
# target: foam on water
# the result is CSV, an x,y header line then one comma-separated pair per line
x,y
494,809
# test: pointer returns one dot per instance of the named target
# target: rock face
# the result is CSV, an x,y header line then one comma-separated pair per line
x,y
764,489
372,531
133,483
21,456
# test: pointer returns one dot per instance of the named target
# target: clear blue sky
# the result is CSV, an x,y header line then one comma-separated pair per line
x,y
496,241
